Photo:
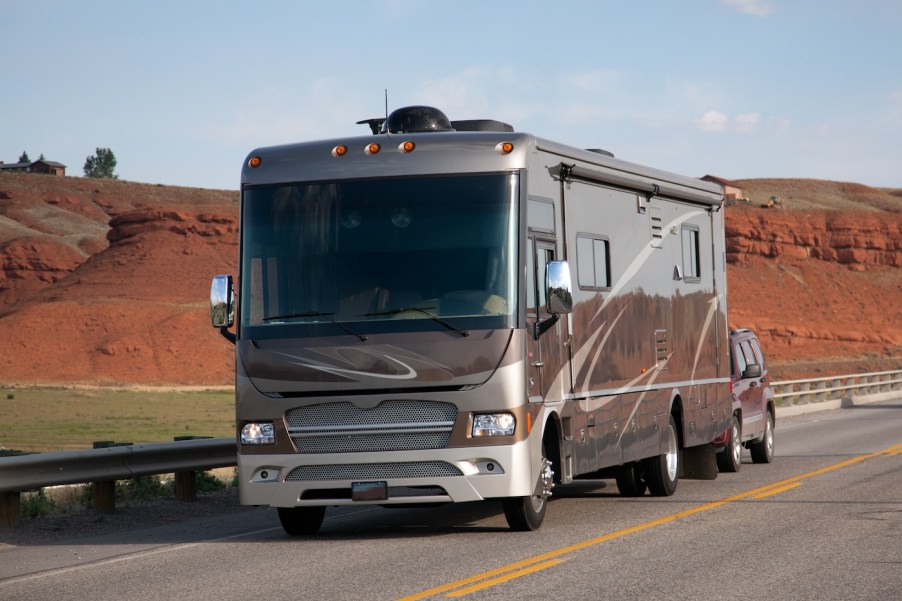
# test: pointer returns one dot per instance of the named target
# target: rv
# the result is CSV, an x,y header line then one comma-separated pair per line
x,y
451,311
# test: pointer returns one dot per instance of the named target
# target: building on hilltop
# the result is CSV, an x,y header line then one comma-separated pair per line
x,y
731,190
39,166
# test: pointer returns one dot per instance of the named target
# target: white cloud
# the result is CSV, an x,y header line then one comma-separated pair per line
x,y
758,8
779,125
747,123
712,121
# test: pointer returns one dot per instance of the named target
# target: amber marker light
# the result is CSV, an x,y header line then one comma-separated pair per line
x,y
504,148
407,146
254,162
340,150
372,148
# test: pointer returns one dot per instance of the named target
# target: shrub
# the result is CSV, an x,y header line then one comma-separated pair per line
x,y
35,505
207,482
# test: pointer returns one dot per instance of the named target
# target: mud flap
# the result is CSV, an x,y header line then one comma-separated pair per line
x,y
699,463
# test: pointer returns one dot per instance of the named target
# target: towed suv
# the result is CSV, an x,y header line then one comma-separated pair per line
x,y
753,405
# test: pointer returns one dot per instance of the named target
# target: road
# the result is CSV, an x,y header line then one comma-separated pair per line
x,y
824,521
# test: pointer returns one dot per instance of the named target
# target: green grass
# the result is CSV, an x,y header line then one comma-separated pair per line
x,y
54,419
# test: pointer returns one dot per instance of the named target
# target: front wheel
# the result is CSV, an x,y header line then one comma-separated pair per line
x,y
763,451
298,521
730,459
663,471
525,514
631,479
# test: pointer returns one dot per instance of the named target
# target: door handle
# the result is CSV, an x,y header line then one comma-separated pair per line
x,y
538,363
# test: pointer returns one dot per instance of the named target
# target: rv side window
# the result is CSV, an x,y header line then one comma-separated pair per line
x,y
538,254
691,262
540,214
593,263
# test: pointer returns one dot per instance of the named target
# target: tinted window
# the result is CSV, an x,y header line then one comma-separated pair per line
x,y
593,264
739,360
691,262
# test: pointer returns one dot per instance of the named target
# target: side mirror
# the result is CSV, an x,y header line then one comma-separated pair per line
x,y
752,370
557,283
222,302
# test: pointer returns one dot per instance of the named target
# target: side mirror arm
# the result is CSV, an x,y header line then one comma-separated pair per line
x,y
545,325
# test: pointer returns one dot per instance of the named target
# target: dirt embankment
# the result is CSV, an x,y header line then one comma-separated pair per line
x,y
105,282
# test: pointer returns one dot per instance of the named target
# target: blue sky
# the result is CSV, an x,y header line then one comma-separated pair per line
x,y
182,91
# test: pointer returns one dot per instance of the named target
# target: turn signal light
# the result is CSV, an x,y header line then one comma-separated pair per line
x,y
504,148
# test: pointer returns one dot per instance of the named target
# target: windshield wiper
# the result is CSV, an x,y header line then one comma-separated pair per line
x,y
362,337
424,311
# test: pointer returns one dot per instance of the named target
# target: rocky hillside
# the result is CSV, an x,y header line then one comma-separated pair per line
x,y
105,282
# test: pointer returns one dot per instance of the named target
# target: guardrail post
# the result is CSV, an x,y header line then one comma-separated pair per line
x,y
10,508
805,387
103,494
820,395
186,486
186,481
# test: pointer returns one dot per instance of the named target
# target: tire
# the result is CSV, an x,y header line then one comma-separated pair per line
x,y
663,471
298,521
763,450
631,480
730,459
526,514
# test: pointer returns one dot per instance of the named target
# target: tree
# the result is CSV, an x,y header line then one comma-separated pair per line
x,y
24,158
101,164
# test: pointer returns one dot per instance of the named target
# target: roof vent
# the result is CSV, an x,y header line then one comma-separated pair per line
x,y
606,153
481,125
416,119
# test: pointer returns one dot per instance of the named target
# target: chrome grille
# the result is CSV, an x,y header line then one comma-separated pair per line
x,y
394,425
371,443
373,471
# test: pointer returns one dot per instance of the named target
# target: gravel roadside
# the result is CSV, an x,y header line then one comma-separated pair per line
x,y
131,515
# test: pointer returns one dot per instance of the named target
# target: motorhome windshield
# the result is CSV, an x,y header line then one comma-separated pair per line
x,y
371,256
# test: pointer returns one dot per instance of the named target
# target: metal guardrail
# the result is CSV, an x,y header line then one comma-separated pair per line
x,y
793,393
103,466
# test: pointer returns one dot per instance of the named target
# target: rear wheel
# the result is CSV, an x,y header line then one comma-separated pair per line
x,y
631,479
298,521
763,451
730,459
662,472
525,514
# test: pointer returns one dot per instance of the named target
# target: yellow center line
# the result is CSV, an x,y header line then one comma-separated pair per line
x,y
775,491
516,569
509,576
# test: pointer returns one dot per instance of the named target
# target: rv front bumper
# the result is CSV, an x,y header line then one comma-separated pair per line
x,y
398,477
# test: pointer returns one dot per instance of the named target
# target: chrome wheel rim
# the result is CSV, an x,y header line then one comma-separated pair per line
x,y
672,456
736,444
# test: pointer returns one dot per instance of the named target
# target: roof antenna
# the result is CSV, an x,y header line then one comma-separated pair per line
x,y
376,124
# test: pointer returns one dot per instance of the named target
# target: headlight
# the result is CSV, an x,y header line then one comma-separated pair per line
x,y
258,433
494,424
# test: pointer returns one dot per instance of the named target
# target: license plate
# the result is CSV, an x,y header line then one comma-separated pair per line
x,y
369,491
